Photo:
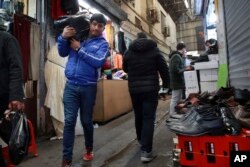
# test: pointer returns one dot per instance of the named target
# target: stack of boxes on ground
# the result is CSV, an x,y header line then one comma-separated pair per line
x,y
205,76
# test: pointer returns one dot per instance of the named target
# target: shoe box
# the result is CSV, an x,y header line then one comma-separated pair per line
x,y
211,151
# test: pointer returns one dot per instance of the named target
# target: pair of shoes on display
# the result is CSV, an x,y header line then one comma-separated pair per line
x,y
66,163
198,121
232,125
147,156
220,95
242,96
193,111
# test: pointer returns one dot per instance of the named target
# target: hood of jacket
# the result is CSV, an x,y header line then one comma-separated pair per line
x,y
173,53
142,44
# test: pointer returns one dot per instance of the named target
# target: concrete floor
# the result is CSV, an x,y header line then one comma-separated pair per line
x,y
115,145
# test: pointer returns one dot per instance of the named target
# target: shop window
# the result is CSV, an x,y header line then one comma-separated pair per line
x,y
152,15
138,23
163,21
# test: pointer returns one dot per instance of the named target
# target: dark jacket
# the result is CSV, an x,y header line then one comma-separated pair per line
x,y
11,82
142,61
176,69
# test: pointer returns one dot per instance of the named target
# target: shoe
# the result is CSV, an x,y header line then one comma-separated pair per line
x,y
147,156
200,126
88,156
66,163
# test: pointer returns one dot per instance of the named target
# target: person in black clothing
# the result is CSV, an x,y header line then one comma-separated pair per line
x,y
11,81
142,62
212,46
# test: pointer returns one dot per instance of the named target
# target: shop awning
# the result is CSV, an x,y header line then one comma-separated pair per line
x,y
109,8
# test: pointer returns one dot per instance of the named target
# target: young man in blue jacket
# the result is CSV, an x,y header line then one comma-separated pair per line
x,y
82,71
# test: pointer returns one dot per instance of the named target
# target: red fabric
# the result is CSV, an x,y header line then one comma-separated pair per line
x,y
56,9
22,33
32,145
107,64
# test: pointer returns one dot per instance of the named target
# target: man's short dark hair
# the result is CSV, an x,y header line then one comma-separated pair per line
x,y
141,35
99,18
180,46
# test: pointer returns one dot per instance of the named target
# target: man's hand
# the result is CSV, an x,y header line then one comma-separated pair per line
x,y
68,32
16,106
74,44
189,68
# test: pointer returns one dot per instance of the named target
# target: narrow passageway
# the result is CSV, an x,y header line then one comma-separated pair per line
x,y
115,145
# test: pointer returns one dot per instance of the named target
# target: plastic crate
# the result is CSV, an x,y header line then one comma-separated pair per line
x,y
214,151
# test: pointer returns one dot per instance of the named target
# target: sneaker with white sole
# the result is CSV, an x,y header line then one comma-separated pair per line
x,y
147,156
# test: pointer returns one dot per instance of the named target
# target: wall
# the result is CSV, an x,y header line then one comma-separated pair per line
x,y
191,32
153,30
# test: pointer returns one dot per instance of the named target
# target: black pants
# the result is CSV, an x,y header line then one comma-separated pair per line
x,y
145,105
2,162
3,107
3,104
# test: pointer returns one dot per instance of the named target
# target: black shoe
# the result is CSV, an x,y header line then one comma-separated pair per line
x,y
232,125
200,126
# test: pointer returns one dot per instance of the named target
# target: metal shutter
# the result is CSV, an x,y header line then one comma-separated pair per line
x,y
237,18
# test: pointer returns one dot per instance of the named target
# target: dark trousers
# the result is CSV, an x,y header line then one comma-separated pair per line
x,y
3,107
3,104
145,105
2,162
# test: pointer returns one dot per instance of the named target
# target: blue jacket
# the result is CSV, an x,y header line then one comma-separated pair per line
x,y
83,66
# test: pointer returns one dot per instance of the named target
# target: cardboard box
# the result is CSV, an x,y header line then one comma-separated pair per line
x,y
112,100
208,86
191,82
206,65
208,74
213,57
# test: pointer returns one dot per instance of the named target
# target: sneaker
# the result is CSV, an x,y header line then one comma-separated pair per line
x,y
88,156
66,163
147,157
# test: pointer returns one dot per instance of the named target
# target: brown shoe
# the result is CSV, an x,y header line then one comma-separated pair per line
x,y
66,163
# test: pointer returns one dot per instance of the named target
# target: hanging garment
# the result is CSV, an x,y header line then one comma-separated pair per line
x,y
121,42
109,29
117,60
56,10
55,82
22,33
35,44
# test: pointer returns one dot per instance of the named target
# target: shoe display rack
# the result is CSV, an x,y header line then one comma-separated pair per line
x,y
209,151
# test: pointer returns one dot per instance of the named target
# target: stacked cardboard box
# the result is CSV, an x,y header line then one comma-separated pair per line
x,y
191,82
208,73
